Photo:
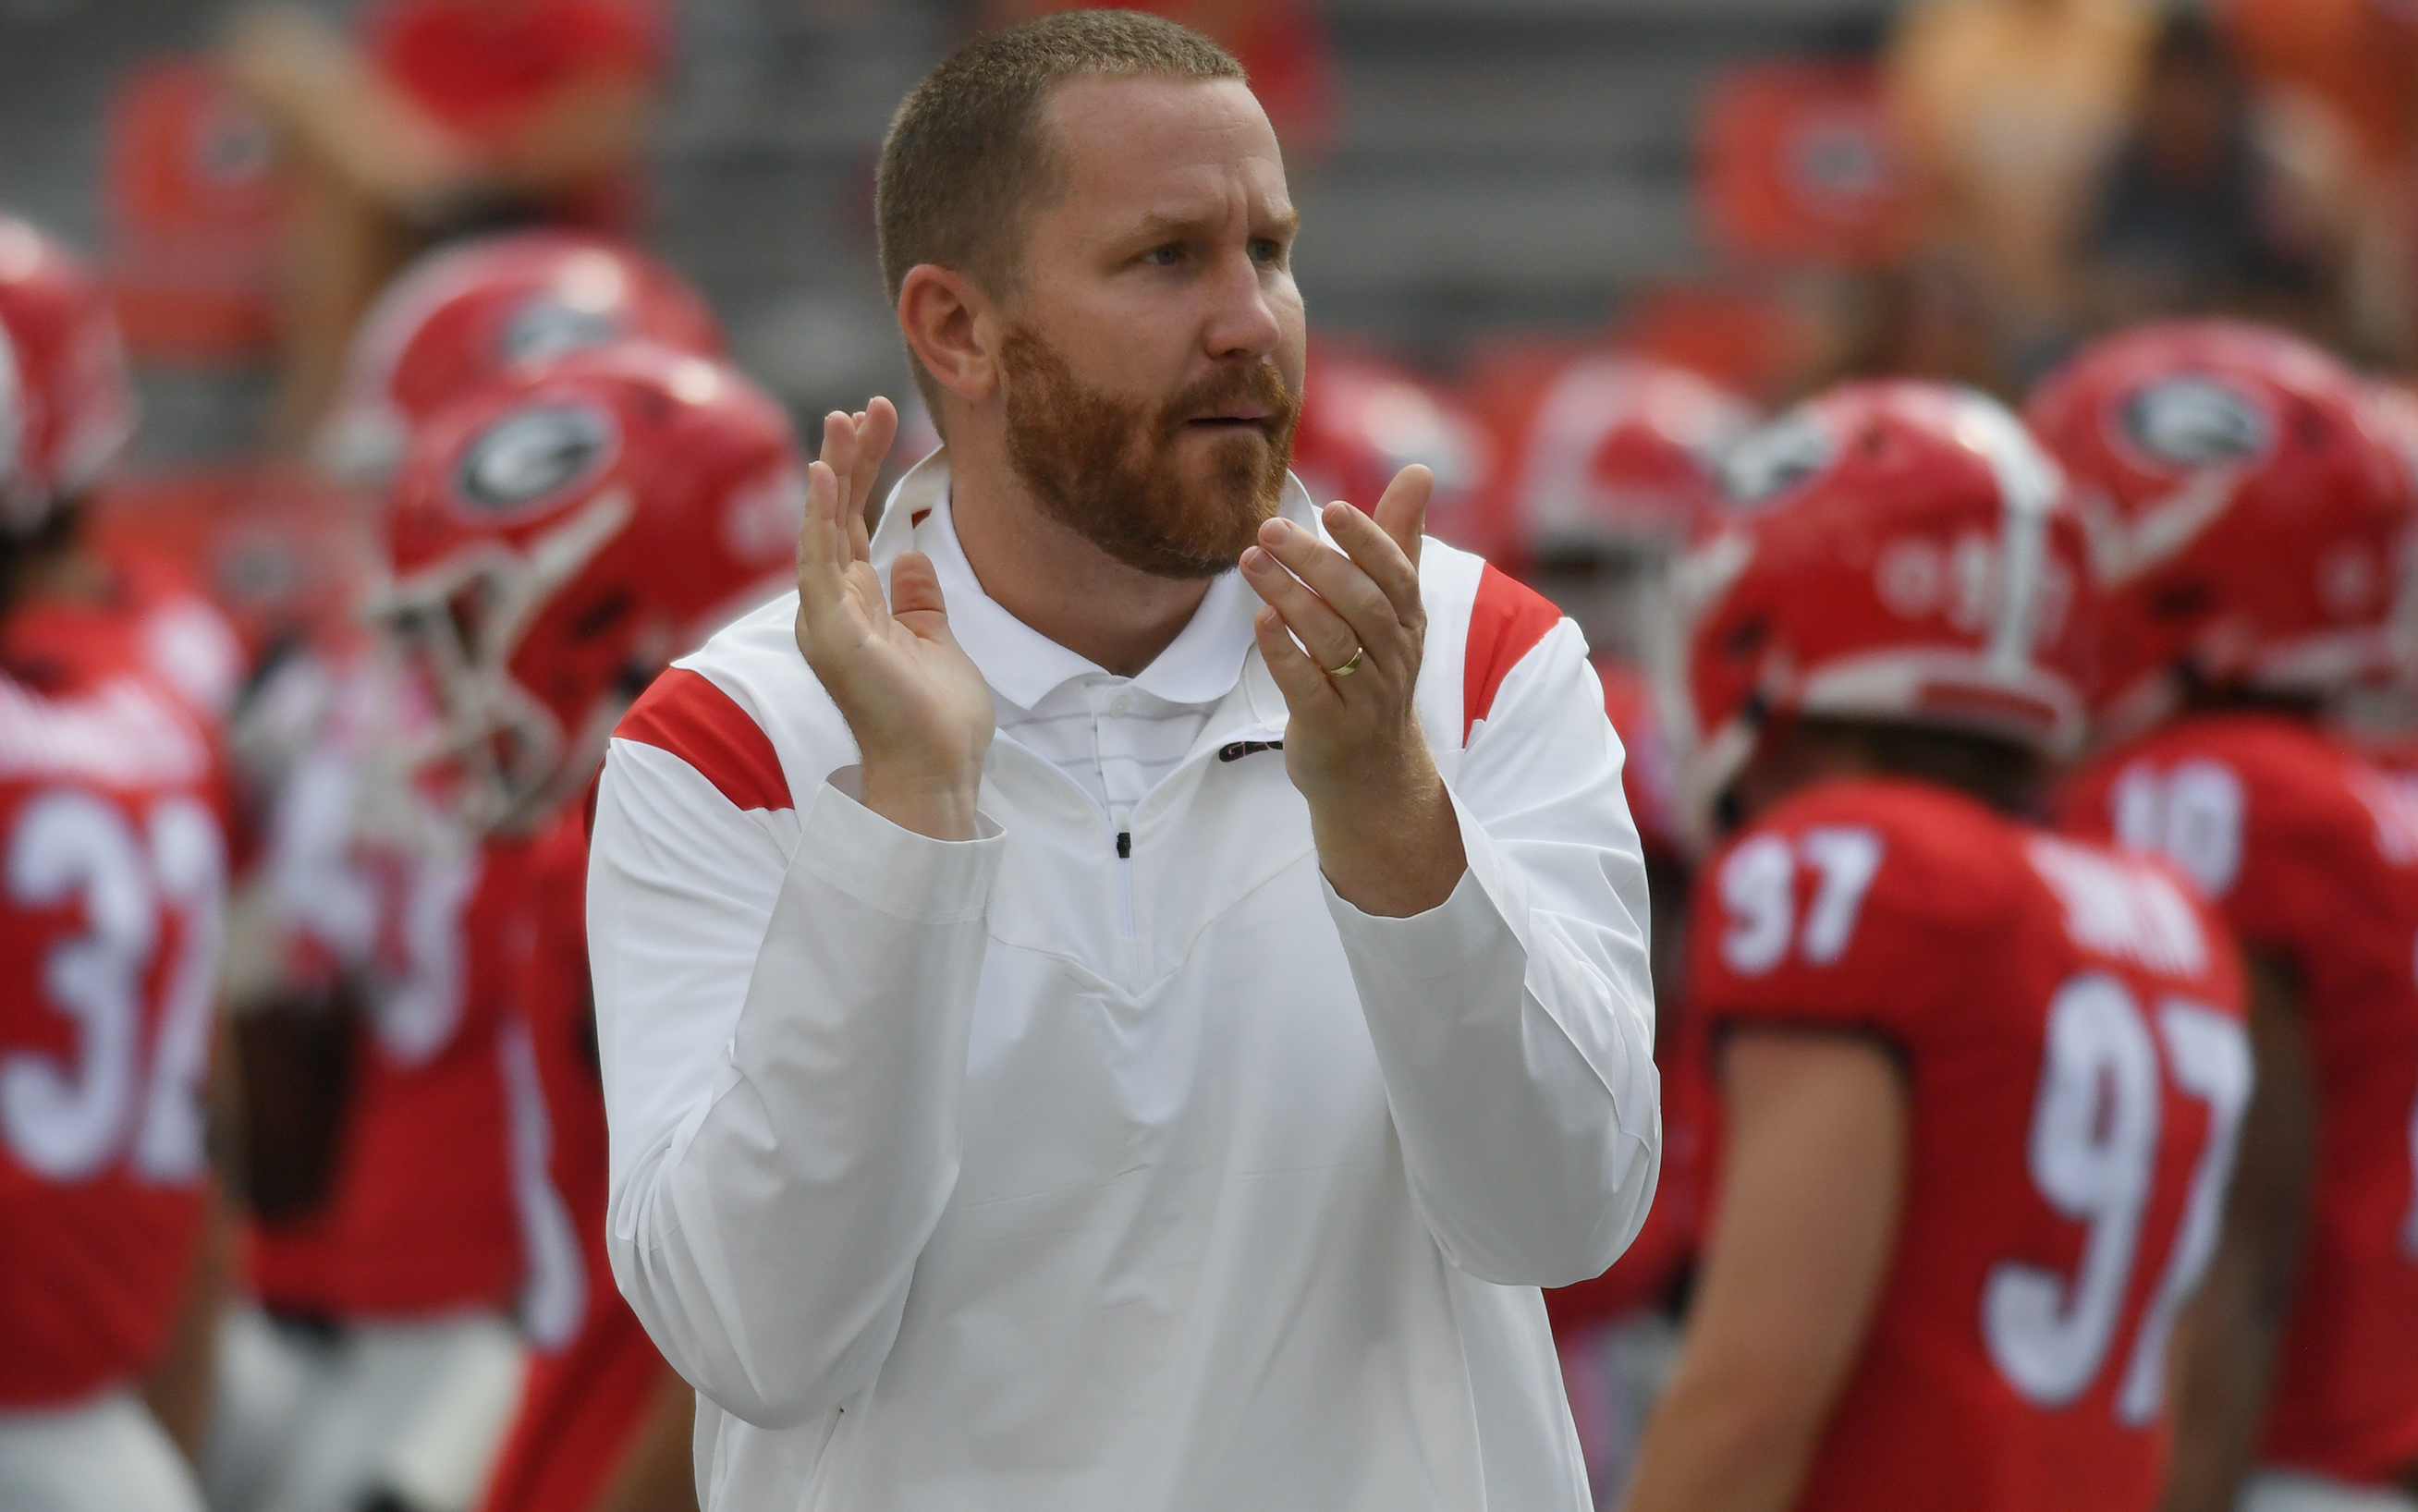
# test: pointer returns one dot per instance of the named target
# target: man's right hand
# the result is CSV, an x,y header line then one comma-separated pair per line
x,y
915,702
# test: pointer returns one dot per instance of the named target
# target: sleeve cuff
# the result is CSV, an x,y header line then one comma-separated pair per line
x,y
894,869
1469,924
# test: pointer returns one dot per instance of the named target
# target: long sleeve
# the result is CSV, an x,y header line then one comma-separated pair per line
x,y
1514,1022
784,1041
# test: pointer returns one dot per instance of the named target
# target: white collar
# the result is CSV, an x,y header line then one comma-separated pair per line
x,y
1021,664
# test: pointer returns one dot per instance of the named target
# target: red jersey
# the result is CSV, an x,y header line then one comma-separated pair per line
x,y
2311,852
484,68
372,883
481,66
113,859
2068,1021
150,614
593,1372
283,554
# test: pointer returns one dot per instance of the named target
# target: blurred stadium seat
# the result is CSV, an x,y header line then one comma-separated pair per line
x,y
193,213
1798,166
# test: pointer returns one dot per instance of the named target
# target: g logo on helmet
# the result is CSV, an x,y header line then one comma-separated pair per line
x,y
1777,458
2195,422
534,455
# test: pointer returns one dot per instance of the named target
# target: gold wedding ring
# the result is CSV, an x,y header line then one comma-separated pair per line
x,y
1349,668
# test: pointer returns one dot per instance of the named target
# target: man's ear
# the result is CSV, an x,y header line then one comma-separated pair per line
x,y
943,314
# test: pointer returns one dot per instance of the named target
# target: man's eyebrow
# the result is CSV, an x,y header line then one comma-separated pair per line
x,y
1163,224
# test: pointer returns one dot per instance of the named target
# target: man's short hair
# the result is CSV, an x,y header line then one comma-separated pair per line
x,y
968,160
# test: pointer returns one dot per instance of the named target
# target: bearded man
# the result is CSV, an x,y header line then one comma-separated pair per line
x,y
1117,994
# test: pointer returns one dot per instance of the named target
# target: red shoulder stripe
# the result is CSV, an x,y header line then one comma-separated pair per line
x,y
1505,624
684,714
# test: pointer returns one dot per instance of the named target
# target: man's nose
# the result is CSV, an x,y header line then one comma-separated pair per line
x,y
1242,322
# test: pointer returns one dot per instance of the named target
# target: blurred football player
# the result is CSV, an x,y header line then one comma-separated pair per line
x,y
448,116
559,536
1365,418
391,1257
285,550
467,312
113,839
1608,463
1981,1083
2247,517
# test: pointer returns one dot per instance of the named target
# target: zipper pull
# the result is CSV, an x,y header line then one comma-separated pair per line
x,y
1124,845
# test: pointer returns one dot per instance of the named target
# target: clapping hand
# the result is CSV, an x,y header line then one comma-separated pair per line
x,y
1343,635
917,706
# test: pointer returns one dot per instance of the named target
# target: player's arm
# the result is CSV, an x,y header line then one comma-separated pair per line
x,y
658,1470
329,101
2224,1346
1813,1176
180,1388
591,126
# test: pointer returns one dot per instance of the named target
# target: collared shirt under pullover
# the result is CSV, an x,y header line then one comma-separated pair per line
x,y
1053,1172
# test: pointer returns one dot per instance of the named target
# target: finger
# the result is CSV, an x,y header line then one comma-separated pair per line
x,y
1403,513
915,599
1336,578
1322,632
839,443
821,549
1378,554
842,452
1303,682
877,429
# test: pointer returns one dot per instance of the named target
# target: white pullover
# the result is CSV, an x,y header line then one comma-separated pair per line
x,y
1052,1171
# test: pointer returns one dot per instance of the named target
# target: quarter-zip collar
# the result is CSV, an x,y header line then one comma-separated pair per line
x,y
1201,666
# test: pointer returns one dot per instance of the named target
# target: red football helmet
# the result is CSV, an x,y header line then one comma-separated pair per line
x,y
463,314
1363,419
1888,552
1613,454
2397,410
2246,512
1646,779
66,407
561,534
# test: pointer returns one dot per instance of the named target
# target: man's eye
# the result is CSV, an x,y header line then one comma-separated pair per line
x,y
1268,249
1166,256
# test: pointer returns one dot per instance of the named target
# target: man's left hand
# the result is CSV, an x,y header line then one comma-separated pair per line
x,y
1344,634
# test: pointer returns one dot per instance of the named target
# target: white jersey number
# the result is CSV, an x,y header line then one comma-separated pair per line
x,y
2192,815
1758,887
2093,1153
70,1118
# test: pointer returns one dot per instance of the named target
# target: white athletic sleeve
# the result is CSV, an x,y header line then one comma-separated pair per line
x,y
783,1042
1514,1022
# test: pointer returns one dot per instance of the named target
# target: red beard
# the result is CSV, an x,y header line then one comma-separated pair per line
x,y
1107,467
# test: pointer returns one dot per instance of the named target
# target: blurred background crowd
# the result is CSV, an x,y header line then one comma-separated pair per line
x,y
1559,250
1778,190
